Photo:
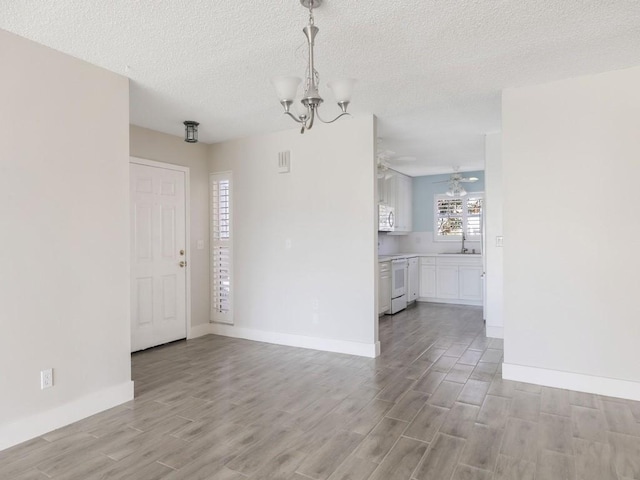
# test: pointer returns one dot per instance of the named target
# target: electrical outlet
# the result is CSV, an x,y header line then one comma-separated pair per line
x,y
200,245
46,378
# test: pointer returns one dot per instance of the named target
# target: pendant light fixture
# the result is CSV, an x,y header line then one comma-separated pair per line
x,y
287,87
191,131
456,190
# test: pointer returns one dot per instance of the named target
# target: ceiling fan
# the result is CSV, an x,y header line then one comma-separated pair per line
x,y
393,157
386,159
455,181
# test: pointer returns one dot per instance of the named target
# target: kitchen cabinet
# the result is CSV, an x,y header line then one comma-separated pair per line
x,y
451,279
396,190
447,281
386,188
384,287
413,284
470,282
403,203
427,277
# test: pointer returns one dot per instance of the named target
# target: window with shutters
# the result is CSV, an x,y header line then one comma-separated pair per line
x,y
454,215
221,248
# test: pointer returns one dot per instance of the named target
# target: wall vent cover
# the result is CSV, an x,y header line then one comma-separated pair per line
x,y
284,161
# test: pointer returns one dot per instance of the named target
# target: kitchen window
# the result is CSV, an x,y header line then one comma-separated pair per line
x,y
454,215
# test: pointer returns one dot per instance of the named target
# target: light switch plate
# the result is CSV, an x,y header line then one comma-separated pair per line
x,y
499,241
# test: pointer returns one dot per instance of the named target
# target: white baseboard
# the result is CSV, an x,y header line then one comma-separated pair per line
x,y
41,423
200,330
494,332
370,350
610,387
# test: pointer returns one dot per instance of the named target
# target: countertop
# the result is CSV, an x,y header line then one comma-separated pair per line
x,y
400,256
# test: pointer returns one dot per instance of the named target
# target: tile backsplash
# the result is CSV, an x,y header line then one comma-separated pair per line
x,y
420,242
388,244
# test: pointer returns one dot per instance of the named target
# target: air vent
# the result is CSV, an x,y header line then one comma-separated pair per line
x,y
284,162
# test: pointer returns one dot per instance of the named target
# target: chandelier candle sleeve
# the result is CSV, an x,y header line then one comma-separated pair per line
x,y
287,87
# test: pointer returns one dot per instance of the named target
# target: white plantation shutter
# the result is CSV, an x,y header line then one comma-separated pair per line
x,y
474,215
454,215
449,215
221,248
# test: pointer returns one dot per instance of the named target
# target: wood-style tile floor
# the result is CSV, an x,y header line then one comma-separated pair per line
x,y
433,406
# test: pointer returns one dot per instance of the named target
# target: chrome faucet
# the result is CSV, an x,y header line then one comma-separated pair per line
x,y
463,250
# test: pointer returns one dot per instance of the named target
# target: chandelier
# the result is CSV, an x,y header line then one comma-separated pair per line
x,y
287,87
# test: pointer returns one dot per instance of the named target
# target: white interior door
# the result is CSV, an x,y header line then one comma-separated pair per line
x,y
158,256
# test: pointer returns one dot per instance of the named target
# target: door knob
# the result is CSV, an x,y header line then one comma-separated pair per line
x,y
183,264
181,252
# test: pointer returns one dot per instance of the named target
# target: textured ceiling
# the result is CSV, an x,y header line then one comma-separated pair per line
x,y
431,70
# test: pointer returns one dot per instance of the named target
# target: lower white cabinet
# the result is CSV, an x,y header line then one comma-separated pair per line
x,y
447,281
413,285
384,287
470,282
451,279
427,281
427,277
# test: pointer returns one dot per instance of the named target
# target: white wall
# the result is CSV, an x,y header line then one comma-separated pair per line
x,y
319,293
64,239
152,145
571,164
493,228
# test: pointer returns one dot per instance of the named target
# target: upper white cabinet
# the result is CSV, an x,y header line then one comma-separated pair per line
x,y
404,199
396,190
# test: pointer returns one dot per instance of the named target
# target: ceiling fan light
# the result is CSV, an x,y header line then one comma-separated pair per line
x,y
342,89
286,87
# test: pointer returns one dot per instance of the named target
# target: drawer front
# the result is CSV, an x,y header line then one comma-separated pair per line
x,y
427,260
385,267
444,260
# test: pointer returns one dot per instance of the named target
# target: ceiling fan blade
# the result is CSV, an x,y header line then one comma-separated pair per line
x,y
468,180
443,181
404,158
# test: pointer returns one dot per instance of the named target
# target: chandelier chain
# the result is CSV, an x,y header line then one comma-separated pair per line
x,y
311,19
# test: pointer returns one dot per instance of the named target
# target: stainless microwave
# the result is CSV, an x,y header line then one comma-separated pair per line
x,y
386,219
